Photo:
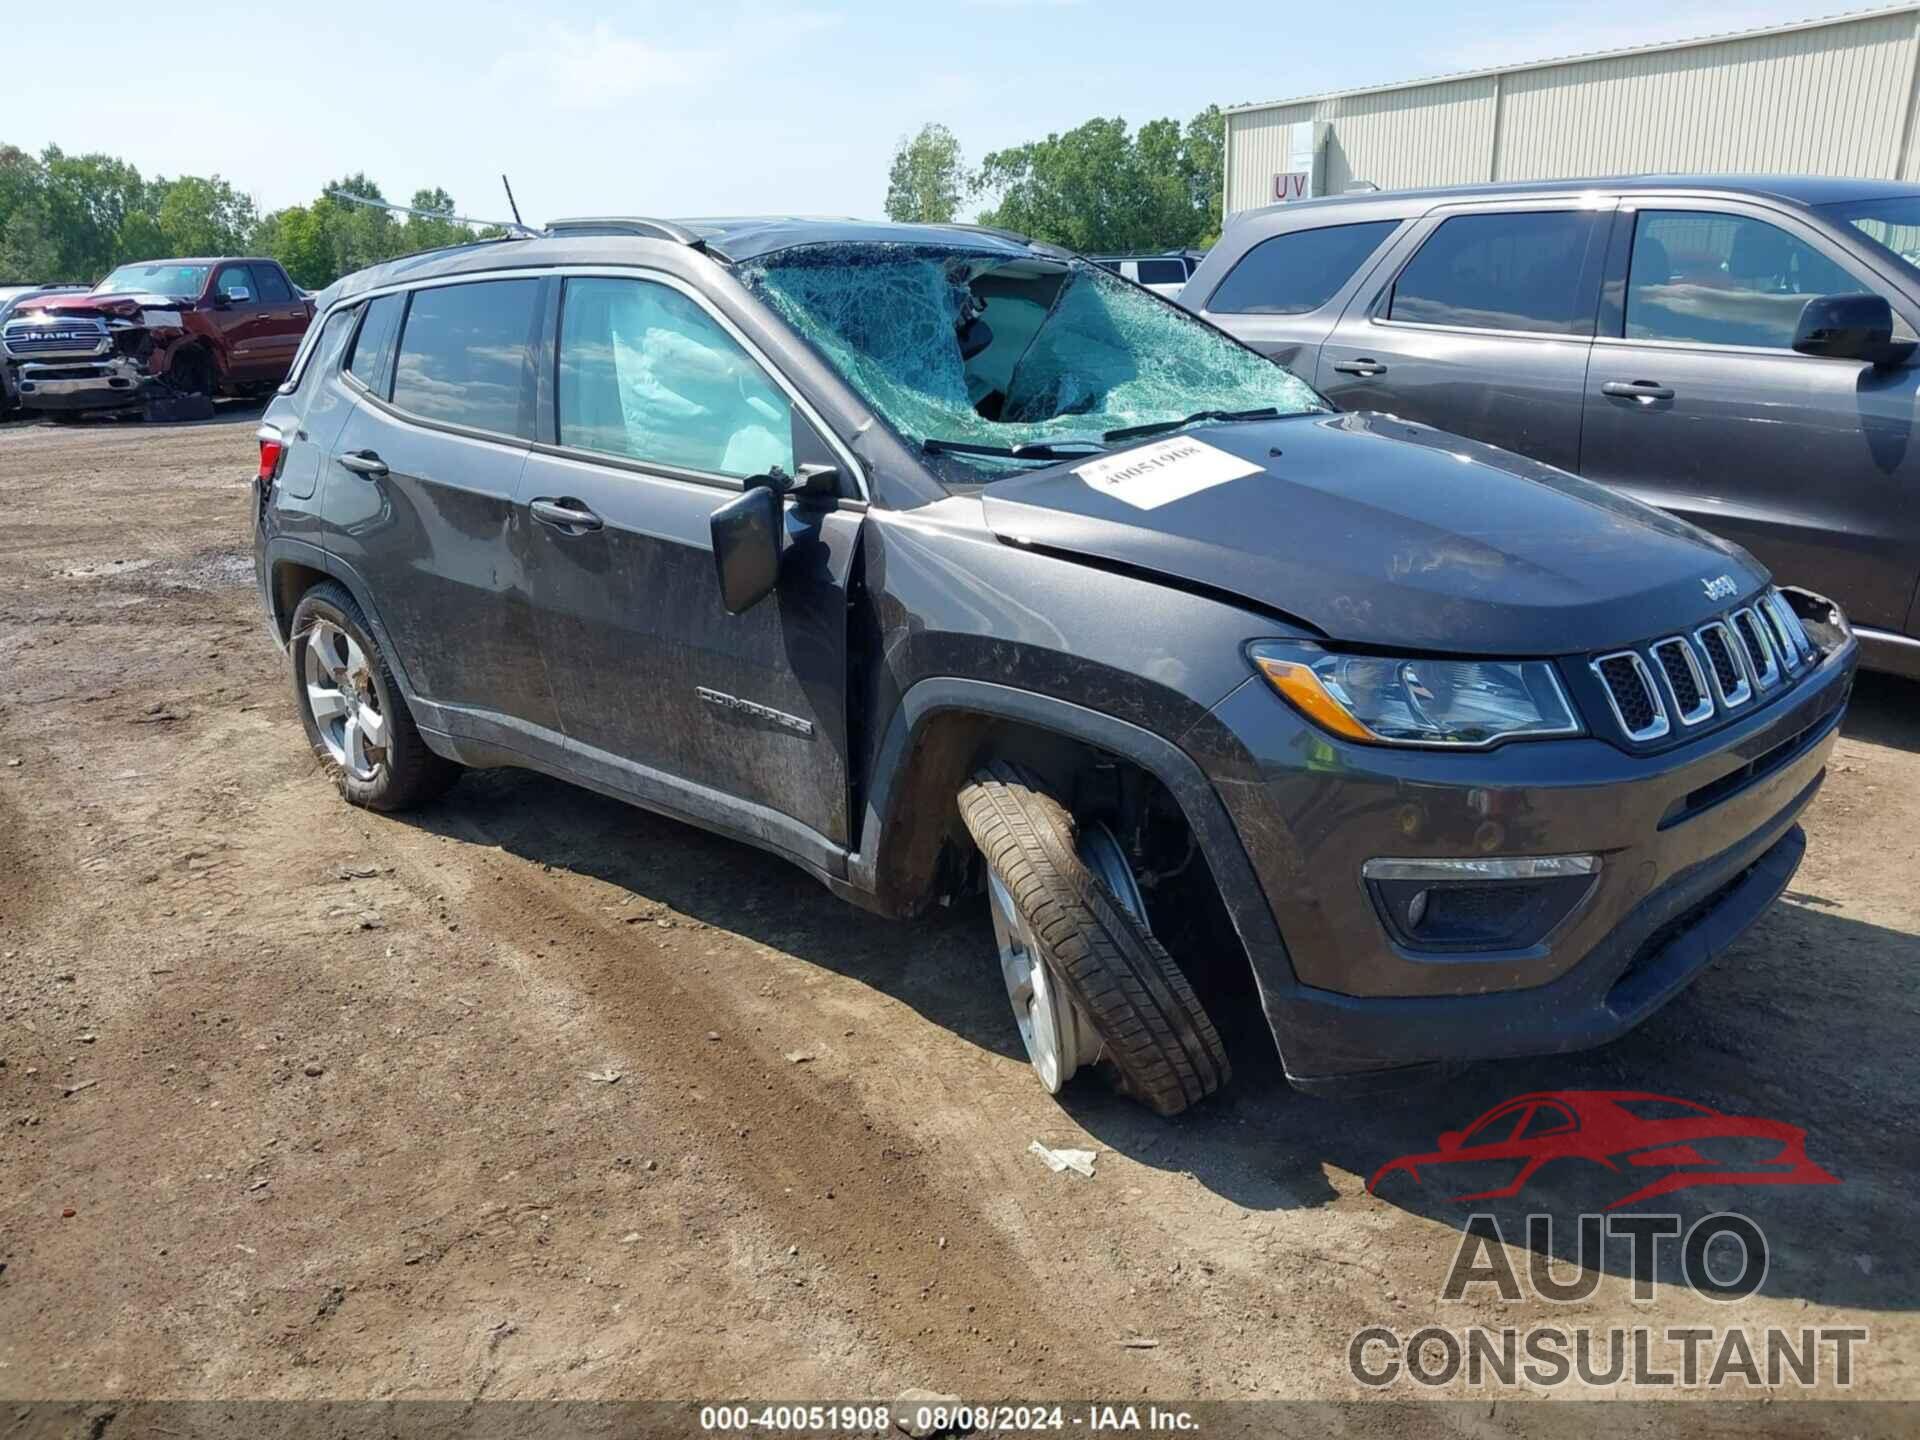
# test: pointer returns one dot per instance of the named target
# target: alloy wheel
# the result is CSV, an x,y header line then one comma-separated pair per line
x,y
343,700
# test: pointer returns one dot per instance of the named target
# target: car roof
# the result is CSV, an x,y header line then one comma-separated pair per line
x,y
730,240
1795,189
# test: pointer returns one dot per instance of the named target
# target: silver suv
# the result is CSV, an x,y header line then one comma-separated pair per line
x,y
1737,350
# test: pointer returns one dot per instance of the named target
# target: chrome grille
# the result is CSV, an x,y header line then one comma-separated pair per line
x,y
1795,647
1758,646
1729,676
1686,681
25,339
1631,692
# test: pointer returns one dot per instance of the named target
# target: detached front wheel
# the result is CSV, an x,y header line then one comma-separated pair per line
x,y
1087,979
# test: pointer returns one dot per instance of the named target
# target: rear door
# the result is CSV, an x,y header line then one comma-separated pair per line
x,y
1481,325
283,322
1284,296
1697,402
420,499
662,409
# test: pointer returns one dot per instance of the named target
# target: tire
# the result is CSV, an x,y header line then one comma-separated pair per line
x,y
339,671
192,372
1150,1024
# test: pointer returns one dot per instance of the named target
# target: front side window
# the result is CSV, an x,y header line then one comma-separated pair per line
x,y
647,375
1519,271
1298,272
236,280
1892,227
986,361
182,281
465,356
1719,279
373,348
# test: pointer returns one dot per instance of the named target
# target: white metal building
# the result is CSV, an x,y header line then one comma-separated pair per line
x,y
1833,96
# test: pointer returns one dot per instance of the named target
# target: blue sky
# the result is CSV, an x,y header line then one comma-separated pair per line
x,y
728,107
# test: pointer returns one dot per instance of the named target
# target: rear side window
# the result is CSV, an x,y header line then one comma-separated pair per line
x,y
272,289
372,357
466,356
648,375
1298,272
1163,272
326,349
1720,279
1500,272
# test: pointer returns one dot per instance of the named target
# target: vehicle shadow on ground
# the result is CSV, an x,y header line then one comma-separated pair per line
x,y
941,965
1778,1028
1885,710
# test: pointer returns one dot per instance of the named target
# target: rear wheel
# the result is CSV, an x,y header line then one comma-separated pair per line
x,y
1086,977
355,716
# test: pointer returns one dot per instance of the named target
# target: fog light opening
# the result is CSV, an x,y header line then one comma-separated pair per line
x,y
1482,904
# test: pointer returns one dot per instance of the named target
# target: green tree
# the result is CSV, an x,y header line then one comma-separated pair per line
x,y
928,177
1100,188
201,215
420,233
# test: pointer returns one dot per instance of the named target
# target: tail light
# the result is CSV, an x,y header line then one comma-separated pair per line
x,y
273,450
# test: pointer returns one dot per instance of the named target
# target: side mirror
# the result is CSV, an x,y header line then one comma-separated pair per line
x,y
747,539
1850,327
1450,1140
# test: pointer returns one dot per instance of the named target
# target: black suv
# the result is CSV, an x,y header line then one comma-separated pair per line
x,y
938,561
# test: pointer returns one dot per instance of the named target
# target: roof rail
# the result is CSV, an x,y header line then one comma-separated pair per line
x,y
623,225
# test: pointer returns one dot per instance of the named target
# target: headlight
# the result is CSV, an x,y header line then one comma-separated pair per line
x,y
1417,702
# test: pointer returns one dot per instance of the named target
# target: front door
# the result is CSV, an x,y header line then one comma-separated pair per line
x,y
739,720
1697,402
420,495
245,323
1483,328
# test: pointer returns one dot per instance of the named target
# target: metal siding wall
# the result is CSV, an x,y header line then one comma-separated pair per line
x,y
1827,100
1399,138
1257,151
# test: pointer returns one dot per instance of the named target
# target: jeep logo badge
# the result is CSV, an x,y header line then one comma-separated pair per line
x,y
1721,587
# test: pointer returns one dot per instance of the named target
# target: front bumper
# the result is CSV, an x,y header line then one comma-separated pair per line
x,y
1695,843
82,384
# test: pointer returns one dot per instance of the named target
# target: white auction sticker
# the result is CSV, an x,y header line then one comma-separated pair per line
x,y
1167,470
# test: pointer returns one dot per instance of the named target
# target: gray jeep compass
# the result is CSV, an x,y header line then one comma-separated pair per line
x,y
941,562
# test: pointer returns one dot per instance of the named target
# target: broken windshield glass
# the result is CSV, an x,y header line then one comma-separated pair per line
x,y
992,364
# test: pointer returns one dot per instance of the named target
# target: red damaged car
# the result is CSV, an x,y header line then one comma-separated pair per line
x,y
168,335
1670,1144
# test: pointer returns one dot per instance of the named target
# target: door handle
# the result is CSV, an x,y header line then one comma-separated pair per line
x,y
364,462
1645,391
1362,366
565,514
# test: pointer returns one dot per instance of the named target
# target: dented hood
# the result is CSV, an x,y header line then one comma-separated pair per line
x,y
1381,532
120,307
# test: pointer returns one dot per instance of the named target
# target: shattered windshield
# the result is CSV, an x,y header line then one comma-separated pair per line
x,y
183,280
992,363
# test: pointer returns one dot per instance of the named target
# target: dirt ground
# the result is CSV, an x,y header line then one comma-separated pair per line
x,y
536,1095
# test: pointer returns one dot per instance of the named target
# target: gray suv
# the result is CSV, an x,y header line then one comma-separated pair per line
x,y
1737,350
942,563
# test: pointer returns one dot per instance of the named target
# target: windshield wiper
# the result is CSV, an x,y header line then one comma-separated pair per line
x,y
1159,427
1029,450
